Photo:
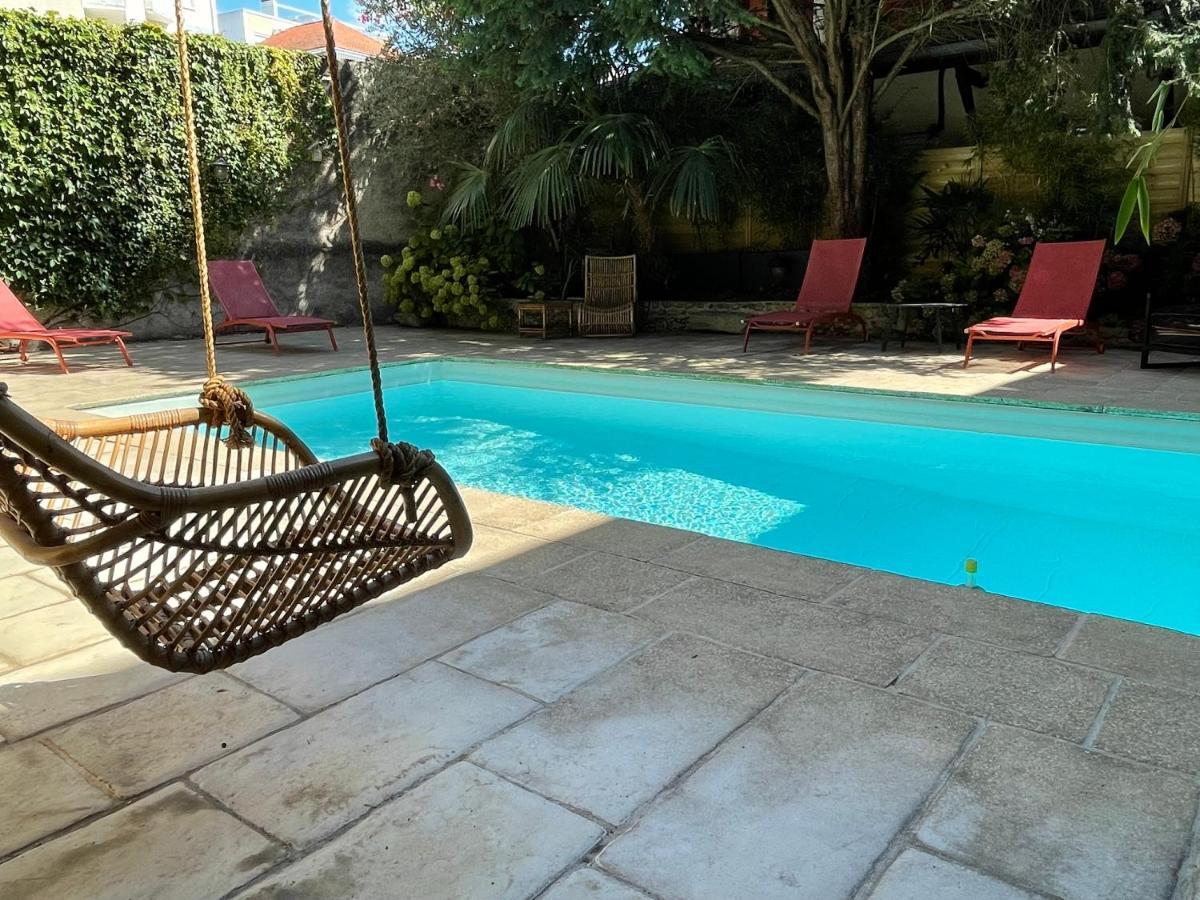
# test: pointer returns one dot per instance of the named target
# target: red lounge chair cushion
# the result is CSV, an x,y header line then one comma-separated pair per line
x,y
794,318
285,323
1012,325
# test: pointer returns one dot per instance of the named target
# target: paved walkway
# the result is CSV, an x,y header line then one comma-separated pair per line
x,y
594,708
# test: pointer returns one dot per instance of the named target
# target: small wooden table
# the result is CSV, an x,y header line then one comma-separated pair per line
x,y
539,318
901,311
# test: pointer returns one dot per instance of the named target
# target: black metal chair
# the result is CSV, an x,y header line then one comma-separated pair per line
x,y
1171,329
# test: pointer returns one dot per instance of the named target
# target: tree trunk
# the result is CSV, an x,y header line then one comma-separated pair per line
x,y
846,172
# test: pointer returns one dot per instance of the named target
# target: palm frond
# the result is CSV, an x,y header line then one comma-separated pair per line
x,y
525,131
543,189
617,145
691,179
469,202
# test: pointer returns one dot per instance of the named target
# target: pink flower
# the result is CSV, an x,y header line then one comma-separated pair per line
x,y
1116,281
437,184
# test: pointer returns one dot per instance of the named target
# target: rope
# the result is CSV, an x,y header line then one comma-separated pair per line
x,y
360,269
230,405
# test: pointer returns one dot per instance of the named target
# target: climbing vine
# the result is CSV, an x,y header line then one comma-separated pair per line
x,y
94,213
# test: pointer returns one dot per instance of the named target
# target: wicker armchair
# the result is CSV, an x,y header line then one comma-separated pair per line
x,y
609,296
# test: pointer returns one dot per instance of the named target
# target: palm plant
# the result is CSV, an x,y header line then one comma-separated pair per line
x,y
535,174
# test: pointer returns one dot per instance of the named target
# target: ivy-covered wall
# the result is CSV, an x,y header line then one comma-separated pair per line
x,y
94,212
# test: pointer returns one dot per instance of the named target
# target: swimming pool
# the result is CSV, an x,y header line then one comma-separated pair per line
x,y
1097,512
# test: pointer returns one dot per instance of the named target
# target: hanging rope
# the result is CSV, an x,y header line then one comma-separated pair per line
x,y
381,445
230,405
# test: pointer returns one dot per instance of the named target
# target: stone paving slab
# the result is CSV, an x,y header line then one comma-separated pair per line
x,y
1053,817
532,560
40,793
805,577
1145,653
463,835
172,844
305,782
615,742
515,555
49,631
364,648
149,741
799,804
504,510
55,691
589,884
833,640
916,875
11,564
1155,724
1032,692
23,593
609,582
551,651
1012,623
620,537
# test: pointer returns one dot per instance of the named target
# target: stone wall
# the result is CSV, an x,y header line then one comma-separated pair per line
x,y
303,251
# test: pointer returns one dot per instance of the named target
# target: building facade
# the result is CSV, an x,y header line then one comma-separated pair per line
x,y
200,16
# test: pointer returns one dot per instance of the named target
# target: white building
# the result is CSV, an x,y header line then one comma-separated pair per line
x,y
253,26
199,16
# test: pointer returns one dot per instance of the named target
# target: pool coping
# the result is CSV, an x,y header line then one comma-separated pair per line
x,y
791,384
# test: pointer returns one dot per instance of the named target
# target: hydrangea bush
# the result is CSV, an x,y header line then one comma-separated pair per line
x,y
459,276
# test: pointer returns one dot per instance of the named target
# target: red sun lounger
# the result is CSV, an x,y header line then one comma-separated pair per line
x,y
18,324
825,294
1054,299
246,303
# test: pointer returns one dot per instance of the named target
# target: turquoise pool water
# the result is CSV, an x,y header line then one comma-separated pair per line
x,y
1102,516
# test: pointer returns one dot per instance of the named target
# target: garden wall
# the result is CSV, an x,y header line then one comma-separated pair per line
x,y
95,217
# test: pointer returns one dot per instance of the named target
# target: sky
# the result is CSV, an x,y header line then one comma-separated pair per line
x,y
346,10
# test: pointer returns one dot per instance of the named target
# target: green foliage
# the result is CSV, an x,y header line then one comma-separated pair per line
x,y
448,273
952,216
94,210
989,270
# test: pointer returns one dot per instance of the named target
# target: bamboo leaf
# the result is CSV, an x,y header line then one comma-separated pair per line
x,y
1125,211
1144,206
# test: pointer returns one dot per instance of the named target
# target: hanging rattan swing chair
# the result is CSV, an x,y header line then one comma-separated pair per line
x,y
201,537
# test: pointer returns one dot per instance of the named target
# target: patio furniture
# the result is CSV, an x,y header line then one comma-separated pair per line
x,y
1171,329
900,318
247,305
826,294
609,296
536,318
201,537
1054,299
18,324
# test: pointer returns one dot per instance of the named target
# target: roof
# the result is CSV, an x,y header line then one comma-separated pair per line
x,y
311,36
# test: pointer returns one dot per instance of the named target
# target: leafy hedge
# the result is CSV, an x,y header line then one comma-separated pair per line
x,y
94,212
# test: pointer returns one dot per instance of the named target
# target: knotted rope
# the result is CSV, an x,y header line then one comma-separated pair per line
x,y
230,405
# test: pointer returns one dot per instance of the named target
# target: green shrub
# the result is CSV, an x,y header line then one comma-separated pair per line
x,y
457,275
94,209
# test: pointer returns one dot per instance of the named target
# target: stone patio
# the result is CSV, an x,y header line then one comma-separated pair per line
x,y
587,707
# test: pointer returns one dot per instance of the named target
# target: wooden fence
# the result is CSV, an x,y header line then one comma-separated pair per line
x,y
1174,183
